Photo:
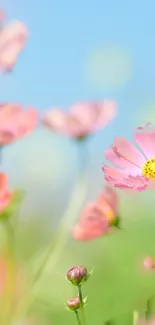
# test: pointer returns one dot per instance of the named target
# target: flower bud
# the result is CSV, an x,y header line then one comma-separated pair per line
x,y
77,274
73,303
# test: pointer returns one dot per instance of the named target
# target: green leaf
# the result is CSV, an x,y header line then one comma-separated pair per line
x,y
13,207
87,277
85,300
116,222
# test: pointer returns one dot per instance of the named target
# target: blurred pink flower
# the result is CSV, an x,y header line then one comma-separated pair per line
x,y
15,123
5,194
135,169
92,224
12,40
82,119
108,203
149,263
98,216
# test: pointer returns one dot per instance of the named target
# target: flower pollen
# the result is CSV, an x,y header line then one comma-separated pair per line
x,y
148,169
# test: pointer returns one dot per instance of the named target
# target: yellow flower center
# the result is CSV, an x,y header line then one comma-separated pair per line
x,y
108,212
148,169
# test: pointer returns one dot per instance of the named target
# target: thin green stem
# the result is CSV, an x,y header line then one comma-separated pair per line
x,y
78,318
82,306
135,317
10,281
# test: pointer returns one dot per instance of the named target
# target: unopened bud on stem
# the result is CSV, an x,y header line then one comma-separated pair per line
x,y
73,303
77,275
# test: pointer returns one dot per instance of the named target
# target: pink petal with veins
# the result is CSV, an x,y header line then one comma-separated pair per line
x,y
126,150
145,138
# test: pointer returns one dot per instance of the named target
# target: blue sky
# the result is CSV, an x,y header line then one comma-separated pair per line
x,y
63,34
83,50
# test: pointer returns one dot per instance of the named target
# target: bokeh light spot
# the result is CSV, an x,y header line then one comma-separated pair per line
x,y
108,68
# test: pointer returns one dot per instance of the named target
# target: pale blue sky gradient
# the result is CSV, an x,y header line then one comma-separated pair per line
x,y
63,34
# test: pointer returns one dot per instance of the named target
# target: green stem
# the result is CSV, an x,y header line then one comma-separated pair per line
x,y
78,318
9,289
82,306
135,317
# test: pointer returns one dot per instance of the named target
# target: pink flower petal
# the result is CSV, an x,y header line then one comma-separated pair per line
x,y
119,179
56,120
138,182
5,195
3,183
93,223
82,119
83,234
105,208
94,115
7,112
12,40
89,230
85,113
113,175
116,159
5,200
126,150
88,211
15,123
107,111
145,138
110,196
26,122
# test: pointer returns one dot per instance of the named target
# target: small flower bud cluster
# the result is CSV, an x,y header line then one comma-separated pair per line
x,y
77,275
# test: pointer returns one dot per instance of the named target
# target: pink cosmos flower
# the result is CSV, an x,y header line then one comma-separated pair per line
x,y
5,194
15,123
108,203
82,119
135,168
98,216
12,40
92,224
